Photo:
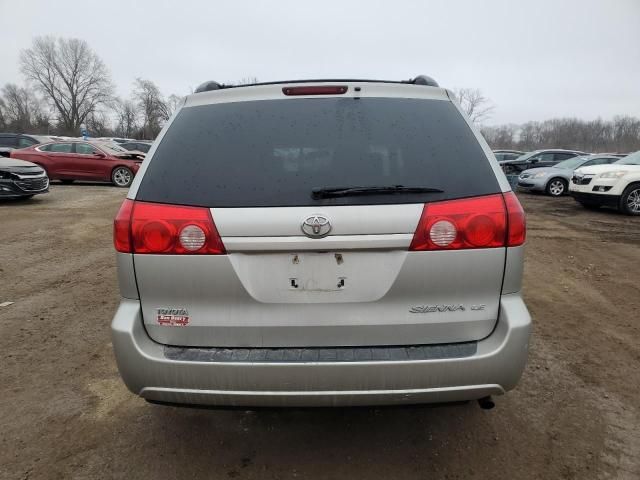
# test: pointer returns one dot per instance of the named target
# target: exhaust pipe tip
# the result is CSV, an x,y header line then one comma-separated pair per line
x,y
486,403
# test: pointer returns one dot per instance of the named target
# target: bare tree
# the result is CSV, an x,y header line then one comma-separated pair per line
x,y
127,116
3,120
98,124
17,106
70,76
22,110
153,108
474,103
622,134
247,81
173,102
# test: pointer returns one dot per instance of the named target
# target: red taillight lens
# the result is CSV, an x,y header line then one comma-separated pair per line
x,y
316,90
479,222
516,220
166,229
121,227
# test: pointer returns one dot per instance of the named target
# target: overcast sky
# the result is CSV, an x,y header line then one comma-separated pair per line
x,y
534,59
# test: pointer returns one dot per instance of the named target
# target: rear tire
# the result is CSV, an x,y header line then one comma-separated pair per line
x,y
556,187
122,177
630,200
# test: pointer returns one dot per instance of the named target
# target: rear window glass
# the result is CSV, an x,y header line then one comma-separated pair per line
x,y
274,152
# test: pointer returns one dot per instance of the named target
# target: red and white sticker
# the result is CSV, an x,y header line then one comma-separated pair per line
x,y
173,317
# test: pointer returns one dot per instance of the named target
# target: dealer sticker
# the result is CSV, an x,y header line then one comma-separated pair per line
x,y
173,317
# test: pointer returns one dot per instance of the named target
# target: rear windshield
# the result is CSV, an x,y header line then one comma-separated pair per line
x,y
275,152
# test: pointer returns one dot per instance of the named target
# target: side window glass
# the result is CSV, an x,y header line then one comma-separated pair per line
x,y
45,148
591,162
61,148
25,142
563,156
542,157
84,149
8,141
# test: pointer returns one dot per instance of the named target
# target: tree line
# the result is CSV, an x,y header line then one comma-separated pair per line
x,y
621,134
69,86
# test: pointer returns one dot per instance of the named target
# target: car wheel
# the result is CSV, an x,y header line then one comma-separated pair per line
x,y
630,200
510,170
67,181
122,177
556,187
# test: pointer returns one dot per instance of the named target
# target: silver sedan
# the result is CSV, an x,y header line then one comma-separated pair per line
x,y
554,180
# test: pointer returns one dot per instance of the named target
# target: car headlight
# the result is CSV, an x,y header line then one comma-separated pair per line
x,y
540,175
614,174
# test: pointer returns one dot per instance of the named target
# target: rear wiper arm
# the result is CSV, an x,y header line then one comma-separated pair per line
x,y
325,192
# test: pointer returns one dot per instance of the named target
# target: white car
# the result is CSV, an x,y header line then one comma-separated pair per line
x,y
616,185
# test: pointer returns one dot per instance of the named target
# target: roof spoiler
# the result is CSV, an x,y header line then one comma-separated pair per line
x,y
211,85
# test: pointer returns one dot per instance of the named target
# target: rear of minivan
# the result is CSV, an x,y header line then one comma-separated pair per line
x,y
318,244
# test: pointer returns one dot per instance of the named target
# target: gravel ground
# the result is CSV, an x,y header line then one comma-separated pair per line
x,y
64,412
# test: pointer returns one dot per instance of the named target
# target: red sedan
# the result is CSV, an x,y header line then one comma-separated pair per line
x,y
77,160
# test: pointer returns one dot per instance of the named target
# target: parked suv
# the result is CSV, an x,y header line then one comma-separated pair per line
x,y
537,158
320,243
11,141
616,185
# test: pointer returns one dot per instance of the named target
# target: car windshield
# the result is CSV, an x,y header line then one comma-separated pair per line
x,y
633,159
571,163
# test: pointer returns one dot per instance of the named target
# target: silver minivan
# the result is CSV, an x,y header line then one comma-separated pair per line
x,y
320,243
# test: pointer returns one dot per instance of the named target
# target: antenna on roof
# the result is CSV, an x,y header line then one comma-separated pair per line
x,y
208,86
424,80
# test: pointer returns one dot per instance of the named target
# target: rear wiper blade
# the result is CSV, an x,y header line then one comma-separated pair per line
x,y
325,192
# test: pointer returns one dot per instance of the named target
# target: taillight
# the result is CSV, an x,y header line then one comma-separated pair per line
x,y
316,90
121,227
142,227
516,222
479,222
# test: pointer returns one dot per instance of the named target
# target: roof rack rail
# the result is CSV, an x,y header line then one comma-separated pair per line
x,y
419,80
208,86
424,80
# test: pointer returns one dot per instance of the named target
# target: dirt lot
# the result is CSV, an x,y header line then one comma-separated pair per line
x,y
65,414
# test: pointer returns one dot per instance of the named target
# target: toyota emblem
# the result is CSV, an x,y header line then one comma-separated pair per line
x,y
316,226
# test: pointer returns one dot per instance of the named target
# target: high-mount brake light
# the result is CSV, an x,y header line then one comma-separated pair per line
x,y
316,90
142,227
480,222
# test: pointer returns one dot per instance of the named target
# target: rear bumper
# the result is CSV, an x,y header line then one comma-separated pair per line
x,y
494,368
